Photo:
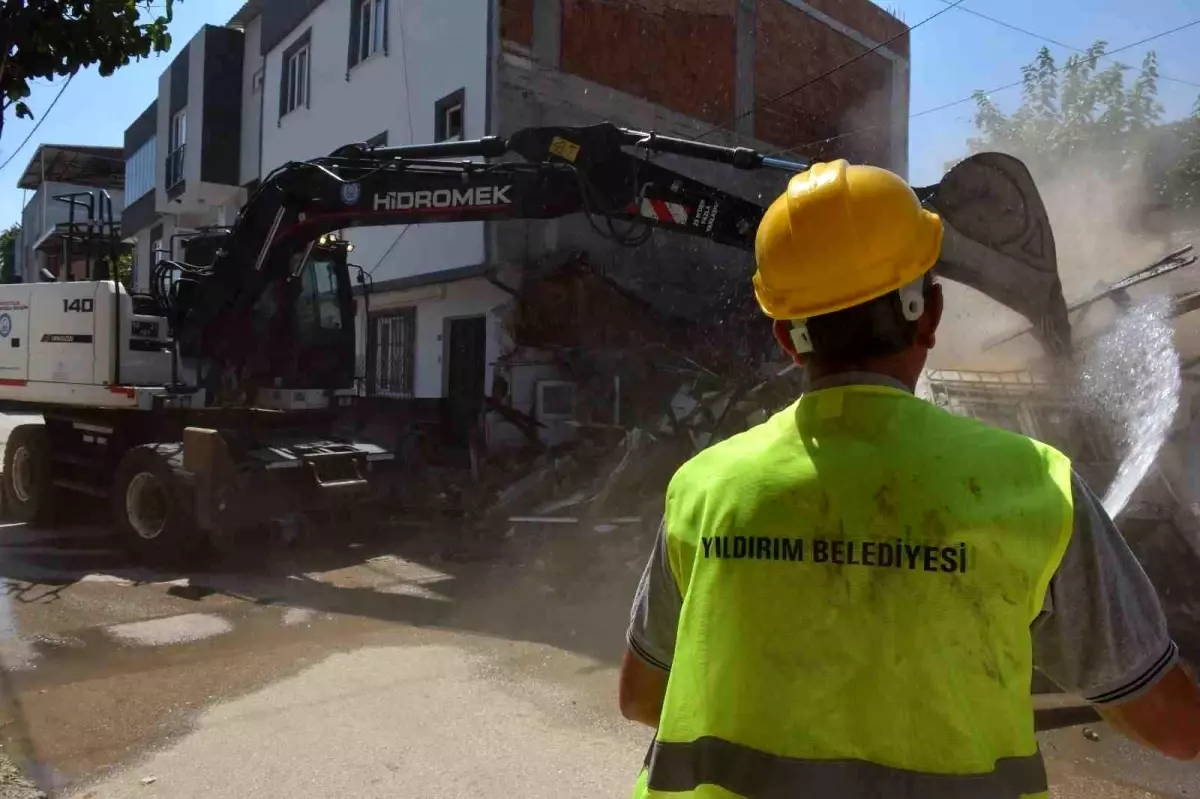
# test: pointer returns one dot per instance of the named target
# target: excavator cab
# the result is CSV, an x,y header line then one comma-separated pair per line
x,y
301,330
308,321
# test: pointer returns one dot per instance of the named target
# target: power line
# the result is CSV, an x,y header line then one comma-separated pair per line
x,y
38,124
971,96
952,4
1055,42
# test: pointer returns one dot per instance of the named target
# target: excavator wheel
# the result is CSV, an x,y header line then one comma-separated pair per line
x,y
29,491
153,506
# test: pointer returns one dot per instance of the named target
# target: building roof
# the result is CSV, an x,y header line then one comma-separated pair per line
x,y
78,164
249,10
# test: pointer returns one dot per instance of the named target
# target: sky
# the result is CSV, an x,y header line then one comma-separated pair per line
x,y
953,55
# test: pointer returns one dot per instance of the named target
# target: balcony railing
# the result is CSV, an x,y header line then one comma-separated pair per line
x,y
175,166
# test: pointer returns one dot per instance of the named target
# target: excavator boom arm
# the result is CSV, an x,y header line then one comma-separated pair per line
x,y
998,234
565,171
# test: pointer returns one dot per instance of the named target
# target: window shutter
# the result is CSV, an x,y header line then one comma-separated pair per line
x,y
355,30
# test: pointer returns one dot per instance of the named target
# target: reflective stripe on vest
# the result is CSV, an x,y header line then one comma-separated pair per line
x,y
859,575
680,767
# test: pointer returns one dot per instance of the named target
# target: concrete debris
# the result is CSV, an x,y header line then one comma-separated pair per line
x,y
14,785
1091,734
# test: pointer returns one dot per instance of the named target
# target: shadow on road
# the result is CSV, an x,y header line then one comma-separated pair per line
x,y
561,585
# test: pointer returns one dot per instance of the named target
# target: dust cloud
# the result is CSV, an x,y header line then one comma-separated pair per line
x,y
1092,207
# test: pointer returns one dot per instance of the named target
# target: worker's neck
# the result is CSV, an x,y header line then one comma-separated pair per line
x,y
898,367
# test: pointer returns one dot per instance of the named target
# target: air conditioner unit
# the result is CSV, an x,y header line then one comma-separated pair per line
x,y
555,400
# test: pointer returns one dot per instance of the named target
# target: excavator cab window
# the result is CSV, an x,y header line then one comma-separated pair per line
x,y
318,306
306,324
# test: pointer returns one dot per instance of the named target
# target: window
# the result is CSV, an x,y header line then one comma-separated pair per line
x,y
555,400
449,117
294,78
368,29
179,129
378,140
317,305
176,144
139,172
391,344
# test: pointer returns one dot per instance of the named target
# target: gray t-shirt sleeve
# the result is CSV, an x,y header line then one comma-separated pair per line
x,y
1102,633
656,608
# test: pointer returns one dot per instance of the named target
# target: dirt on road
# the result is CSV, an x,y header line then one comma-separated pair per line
x,y
374,667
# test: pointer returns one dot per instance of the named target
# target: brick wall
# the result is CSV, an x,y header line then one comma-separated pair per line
x,y
677,53
516,21
682,55
792,48
866,18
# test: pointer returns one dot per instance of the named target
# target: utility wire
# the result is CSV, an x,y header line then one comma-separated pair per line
x,y
408,107
971,96
951,5
1057,43
38,124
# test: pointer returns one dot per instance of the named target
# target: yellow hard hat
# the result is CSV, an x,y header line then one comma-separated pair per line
x,y
840,236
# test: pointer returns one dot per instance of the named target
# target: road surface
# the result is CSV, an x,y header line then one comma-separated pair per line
x,y
367,666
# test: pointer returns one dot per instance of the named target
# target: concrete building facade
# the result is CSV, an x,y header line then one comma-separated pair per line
x,y
182,162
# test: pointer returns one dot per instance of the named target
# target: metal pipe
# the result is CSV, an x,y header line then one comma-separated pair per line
x,y
487,147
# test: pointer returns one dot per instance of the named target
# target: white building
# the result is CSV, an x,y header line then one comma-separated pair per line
x,y
182,171
390,74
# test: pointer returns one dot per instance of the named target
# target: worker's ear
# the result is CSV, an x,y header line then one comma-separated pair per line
x,y
927,325
783,336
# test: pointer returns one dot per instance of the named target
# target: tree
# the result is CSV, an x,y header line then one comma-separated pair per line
x,y
1074,110
48,38
8,253
1081,117
1173,163
124,268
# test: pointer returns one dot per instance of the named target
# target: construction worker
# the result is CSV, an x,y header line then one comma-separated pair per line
x,y
849,600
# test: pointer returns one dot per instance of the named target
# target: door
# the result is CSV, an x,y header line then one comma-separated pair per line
x,y
466,362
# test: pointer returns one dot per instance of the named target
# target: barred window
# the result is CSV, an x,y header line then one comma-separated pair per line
x,y
392,344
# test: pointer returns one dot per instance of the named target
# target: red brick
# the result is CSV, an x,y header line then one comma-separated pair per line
x,y
868,19
516,21
791,49
677,53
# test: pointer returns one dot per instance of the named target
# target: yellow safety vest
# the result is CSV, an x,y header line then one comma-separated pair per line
x,y
859,575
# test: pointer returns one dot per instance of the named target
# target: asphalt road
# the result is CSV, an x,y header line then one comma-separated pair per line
x,y
366,665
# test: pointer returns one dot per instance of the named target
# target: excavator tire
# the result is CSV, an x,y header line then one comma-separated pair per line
x,y
154,509
29,491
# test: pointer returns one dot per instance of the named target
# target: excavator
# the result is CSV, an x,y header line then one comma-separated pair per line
x,y
211,404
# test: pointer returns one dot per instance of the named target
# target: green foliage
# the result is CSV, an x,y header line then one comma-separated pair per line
x,y
124,268
48,38
8,253
1173,163
1073,110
